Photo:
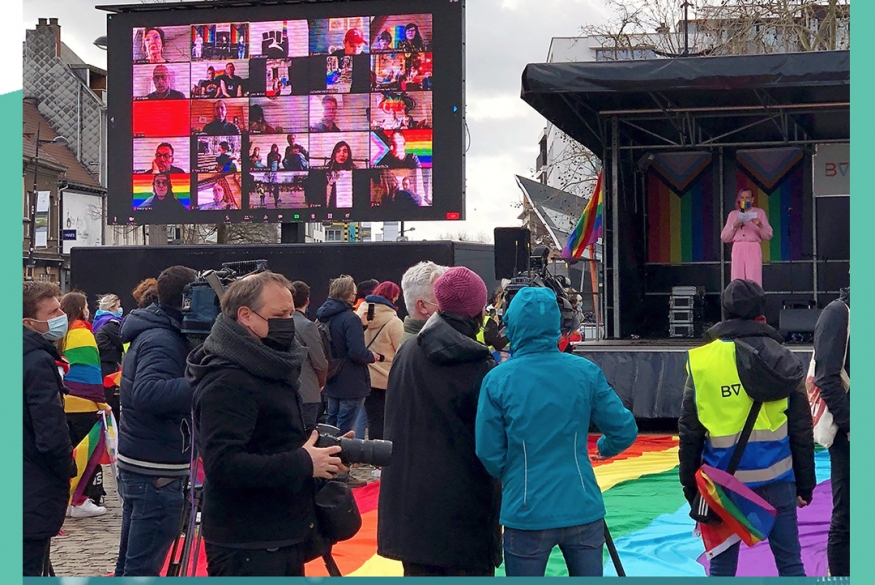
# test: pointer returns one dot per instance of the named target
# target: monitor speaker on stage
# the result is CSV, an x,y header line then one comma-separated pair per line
x,y
513,248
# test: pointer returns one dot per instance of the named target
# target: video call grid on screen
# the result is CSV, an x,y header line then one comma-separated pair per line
x,y
254,99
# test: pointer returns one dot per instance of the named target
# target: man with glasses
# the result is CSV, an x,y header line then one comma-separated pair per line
x,y
163,90
163,162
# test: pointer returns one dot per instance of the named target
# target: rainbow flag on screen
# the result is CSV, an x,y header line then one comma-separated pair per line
x,y
745,515
97,448
589,228
419,143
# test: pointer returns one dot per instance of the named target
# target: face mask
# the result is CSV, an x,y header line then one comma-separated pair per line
x,y
119,313
280,334
57,328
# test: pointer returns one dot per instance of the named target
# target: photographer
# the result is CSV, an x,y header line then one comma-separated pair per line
x,y
258,509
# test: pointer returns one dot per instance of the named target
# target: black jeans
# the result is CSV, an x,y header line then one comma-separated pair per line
x,y
838,549
36,556
375,407
236,562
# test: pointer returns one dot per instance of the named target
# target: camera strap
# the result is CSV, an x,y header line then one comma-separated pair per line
x,y
368,346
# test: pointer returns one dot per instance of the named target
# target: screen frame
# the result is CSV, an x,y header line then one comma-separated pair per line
x,y
448,106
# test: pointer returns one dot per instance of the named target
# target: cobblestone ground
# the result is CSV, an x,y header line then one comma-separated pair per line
x,y
89,546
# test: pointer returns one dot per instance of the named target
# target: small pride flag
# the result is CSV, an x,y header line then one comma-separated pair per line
x,y
589,227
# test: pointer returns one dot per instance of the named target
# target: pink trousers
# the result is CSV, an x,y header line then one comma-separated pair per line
x,y
747,261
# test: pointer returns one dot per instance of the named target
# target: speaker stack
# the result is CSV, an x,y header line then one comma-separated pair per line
x,y
513,249
686,311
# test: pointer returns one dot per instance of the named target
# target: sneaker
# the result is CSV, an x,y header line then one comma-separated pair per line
x,y
376,473
86,510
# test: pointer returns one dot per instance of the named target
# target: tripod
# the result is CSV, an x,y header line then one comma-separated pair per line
x,y
189,526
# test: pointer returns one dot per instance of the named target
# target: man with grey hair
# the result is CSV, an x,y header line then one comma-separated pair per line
x,y
258,509
417,284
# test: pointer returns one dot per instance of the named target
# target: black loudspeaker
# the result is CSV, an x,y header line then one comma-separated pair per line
x,y
798,320
513,248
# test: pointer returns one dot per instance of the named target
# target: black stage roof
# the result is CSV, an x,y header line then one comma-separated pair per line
x,y
792,98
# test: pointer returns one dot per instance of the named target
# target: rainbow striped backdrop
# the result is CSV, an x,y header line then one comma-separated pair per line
x,y
681,227
783,207
419,142
181,189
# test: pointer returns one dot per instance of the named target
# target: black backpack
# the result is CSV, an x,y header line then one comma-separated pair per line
x,y
335,364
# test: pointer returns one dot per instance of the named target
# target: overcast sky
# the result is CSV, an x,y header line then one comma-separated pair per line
x,y
502,36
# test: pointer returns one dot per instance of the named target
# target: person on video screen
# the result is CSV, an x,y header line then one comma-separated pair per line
x,y
274,157
197,47
220,126
163,89
163,200
209,87
257,123
383,41
353,43
163,162
222,198
226,162
341,158
153,45
398,157
329,115
406,196
412,41
230,85
296,157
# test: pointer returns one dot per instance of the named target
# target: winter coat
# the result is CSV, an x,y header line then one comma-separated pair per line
x,y
780,364
106,332
412,327
830,334
347,341
533,422
307,335
438,505
48,459
384,336
259,487
154,431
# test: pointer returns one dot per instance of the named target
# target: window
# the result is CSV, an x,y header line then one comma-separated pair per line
x,y
334,235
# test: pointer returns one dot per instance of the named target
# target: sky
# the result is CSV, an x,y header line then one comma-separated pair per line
x,y
502,36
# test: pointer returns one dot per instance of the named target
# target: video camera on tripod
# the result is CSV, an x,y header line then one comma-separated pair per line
x,y
539,275
201,299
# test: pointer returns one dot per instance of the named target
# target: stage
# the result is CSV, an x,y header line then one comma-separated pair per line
x,y
649,374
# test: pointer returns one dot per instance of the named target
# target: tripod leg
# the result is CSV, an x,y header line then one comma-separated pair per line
x,y
612,550
330,565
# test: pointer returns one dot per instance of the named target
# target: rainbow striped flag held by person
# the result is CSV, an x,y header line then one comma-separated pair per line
x,y
97,448
84,378
746,516
589,228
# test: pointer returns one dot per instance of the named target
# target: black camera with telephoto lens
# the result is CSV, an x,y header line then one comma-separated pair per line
x,y
371,452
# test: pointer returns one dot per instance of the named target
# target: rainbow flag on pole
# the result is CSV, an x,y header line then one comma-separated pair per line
x,y
589,228
97,448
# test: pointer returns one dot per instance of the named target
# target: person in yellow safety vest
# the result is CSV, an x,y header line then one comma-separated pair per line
x,y
492,333
724,378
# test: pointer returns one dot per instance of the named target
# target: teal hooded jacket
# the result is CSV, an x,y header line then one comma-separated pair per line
x,y
533,418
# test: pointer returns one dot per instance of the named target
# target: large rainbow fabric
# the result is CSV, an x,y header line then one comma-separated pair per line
x,y
783,207
84,378
647,515
89,453
419,142
589,227
681,226
143,189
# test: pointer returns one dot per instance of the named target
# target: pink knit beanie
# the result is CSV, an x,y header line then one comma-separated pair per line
x,y
460,291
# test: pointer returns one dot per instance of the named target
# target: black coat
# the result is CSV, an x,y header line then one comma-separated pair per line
x,y
438,505
155,398
110,346
348,341
830,339
259,487
48,461
767,342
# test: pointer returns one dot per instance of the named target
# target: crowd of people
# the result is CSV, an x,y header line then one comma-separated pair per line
x,y
481,393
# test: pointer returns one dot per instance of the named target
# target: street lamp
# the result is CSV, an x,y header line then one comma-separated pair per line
x,y
31,260
401,237
101,42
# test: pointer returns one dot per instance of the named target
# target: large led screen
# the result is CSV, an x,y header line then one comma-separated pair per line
x,y
316,111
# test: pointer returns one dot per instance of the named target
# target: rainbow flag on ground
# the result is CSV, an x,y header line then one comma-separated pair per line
x,y
97,448
589,227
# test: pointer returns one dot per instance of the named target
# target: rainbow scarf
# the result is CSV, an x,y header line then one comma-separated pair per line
x,y
589,228
97,448
84,379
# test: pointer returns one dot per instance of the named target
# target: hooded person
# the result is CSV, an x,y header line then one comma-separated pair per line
x,y
259,460
532,429
743,361
446,523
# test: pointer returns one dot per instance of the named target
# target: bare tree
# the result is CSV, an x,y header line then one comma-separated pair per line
x,y
463,236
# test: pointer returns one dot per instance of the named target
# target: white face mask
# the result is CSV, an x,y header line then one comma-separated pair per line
x,y
57,328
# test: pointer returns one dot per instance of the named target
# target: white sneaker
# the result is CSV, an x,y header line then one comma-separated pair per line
x,y
376,473
85,510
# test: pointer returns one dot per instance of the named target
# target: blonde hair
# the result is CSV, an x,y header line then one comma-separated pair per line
x,y
342,287
107,302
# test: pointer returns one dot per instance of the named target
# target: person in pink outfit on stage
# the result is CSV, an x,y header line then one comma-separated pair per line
x,y
746,227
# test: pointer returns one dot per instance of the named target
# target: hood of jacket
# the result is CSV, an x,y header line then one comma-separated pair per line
x,y
33,341
378,300
101,318
533,321
443,341
141,320
332,307
768,370
382,315
229,345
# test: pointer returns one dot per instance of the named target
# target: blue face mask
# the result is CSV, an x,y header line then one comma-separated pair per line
x,y
119,313
57,328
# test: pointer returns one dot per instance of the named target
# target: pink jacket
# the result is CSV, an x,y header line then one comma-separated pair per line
x,y
746,232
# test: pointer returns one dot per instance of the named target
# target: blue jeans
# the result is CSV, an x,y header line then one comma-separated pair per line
x,y
526,551
151,518
361,422
783,540
342,412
